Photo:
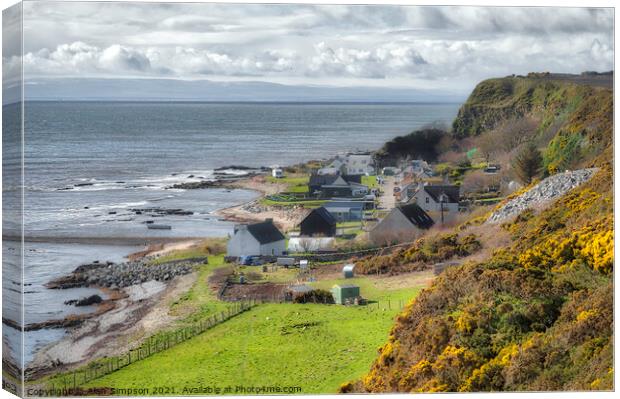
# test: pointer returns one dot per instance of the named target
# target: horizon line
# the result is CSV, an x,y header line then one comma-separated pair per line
x,y
299,102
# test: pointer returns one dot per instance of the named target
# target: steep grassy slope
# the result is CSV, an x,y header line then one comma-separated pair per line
x,y
496,100
537,314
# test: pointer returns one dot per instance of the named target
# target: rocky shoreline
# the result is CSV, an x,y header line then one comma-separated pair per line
x,y
114,276
223,178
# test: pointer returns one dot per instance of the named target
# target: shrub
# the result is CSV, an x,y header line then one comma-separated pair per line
x,y
315,296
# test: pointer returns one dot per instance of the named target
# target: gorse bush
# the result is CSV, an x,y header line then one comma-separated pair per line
x,y
537,313
421,255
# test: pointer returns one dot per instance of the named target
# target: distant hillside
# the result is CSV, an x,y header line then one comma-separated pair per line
x,y
572,113
534,309
93,89
546,96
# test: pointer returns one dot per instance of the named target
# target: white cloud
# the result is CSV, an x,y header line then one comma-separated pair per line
x,y
79,58
304,43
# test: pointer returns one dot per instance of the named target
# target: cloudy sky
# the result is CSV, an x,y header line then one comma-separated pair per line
x,y
436,48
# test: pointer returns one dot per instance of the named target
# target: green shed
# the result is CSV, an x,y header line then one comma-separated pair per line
x,y
345,292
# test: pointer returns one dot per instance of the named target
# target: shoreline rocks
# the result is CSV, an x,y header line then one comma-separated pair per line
x,y
195,185
87,301
161,212
122,275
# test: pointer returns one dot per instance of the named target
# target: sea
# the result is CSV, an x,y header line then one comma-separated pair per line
x,y
89,164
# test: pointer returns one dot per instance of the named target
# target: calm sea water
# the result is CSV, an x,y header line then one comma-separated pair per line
x,y
88,163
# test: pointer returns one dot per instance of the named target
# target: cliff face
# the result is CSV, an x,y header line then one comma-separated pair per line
x,y
537,313
543,97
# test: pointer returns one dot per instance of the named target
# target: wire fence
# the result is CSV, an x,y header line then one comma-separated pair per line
x,y
370,305
163,341
149,347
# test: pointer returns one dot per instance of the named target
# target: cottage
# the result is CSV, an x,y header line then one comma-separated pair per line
x,y
358,163
346,211
317,181
329,186
319,222
335,168
441,202
402,224
256,239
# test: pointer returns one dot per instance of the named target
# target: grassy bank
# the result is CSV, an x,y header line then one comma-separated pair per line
x,y
315,347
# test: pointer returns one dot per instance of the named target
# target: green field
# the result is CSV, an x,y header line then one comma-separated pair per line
x,y
370,181
305,204
315,347
292,184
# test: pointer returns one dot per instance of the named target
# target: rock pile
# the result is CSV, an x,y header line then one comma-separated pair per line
x,y
124,274
541,194
254,207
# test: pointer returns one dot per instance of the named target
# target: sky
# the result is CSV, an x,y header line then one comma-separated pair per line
x,y
443,49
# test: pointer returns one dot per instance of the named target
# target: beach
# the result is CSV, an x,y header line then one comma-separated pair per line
x,y
285,218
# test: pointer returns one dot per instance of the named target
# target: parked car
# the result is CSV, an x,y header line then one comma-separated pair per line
x,y
250,260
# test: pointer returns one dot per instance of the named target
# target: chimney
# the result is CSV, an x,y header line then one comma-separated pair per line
x,y
240,227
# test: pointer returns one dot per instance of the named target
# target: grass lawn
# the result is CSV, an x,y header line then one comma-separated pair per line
x,y
381,290
294,183
305,204
200,302
204,248
370,181
354,228
315,347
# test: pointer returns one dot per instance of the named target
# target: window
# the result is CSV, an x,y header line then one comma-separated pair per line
x,y
427,200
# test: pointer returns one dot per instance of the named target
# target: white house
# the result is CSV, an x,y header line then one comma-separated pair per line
x,y
262,238
418,169
441,202
356,164
334,168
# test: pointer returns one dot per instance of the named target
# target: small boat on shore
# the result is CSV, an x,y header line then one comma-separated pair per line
x,y
159,227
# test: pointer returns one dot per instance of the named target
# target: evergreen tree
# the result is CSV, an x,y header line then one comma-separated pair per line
x,y
527,163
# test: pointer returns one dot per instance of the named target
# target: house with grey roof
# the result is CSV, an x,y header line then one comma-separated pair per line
x,y
328,186
441,202
345,211
256,239
319,222
404,223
